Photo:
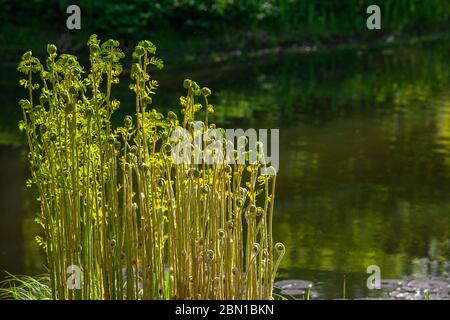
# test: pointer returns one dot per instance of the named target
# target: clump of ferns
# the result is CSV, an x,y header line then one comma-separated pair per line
x,y
115,203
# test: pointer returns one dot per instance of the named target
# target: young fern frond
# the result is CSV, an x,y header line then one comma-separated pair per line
x,y
114,201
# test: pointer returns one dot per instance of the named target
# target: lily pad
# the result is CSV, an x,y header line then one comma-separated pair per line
x,y
293,292
433,285
402,295
391,283
293,284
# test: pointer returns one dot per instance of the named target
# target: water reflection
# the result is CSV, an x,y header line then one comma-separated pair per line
x,y
18,251
365,159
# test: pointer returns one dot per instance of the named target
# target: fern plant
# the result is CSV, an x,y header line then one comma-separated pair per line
x,y
114,202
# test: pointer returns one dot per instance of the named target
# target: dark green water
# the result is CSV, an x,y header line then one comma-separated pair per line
x,y
365,159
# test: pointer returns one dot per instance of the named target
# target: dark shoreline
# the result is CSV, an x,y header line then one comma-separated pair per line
x,y
207,50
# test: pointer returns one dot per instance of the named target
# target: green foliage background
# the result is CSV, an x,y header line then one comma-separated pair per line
x,y
128,18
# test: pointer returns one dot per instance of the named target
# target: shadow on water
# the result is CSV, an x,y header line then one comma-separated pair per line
x,y
364,158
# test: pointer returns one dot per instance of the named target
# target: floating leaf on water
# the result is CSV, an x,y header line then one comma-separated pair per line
x,y
293,284
293,292
391,283
434,285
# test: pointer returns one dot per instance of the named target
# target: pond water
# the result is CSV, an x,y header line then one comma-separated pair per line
x,y
364,174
